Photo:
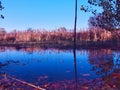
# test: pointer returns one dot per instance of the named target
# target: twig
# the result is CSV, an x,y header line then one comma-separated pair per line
x,y
29,84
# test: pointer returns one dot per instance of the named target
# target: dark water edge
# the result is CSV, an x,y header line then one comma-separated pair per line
x,y
63,45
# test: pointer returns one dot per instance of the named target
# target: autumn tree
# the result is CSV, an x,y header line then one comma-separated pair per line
x,y
109,18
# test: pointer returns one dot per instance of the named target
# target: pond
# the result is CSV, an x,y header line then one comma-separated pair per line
x,y
54,69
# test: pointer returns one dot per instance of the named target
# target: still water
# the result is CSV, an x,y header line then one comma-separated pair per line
x,y
54,69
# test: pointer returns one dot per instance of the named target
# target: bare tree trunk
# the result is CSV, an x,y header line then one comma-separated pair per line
x,y
75,23
74,47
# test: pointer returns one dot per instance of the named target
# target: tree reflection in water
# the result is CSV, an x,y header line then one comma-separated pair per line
x,y
75,68
106,63
102,61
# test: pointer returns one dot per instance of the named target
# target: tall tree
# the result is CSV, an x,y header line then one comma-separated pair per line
x,y
1,8
109,19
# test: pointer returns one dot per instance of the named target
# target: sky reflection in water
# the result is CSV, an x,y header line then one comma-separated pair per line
x,y
50,66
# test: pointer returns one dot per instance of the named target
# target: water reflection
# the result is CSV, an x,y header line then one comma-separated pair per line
x,y
58,70
102,61
104,65
75,69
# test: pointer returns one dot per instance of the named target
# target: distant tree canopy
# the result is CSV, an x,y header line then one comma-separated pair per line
x,y
1,8
109,19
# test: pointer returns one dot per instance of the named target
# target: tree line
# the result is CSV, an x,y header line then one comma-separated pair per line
x,y
61,34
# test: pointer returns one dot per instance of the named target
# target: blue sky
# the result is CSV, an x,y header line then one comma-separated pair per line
x,y
39,14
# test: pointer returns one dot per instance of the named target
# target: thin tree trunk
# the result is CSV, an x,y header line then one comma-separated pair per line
x,y
75,23
74,47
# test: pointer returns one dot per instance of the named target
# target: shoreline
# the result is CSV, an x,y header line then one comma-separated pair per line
x,y
63,45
